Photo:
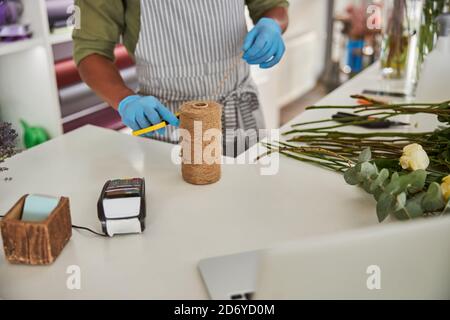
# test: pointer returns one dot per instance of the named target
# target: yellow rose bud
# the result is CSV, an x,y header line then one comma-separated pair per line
x,y
414,158
445,186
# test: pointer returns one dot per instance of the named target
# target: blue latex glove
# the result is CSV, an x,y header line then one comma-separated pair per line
x,y
140,112
264,44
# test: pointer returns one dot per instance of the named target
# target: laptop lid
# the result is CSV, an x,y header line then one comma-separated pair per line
x,y
405,260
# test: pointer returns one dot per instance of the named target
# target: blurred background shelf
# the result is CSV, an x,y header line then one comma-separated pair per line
x,y
28,87
62,36
15,47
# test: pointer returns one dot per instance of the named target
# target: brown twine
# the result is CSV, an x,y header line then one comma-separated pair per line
x,y
195,169
201,157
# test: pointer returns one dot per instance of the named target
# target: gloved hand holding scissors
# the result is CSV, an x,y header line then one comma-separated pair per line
x,y
140,112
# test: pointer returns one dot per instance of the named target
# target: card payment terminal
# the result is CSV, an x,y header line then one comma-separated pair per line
x,y
121,206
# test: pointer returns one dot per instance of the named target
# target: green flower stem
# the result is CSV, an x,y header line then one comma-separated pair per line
x,y
384,106
366,135
344,146
319,137
406,111
355,123
342,119
312,150
321,158
354,145
309,138
322,164
314,156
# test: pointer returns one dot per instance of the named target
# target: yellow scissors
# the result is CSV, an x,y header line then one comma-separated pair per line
x,y
153,128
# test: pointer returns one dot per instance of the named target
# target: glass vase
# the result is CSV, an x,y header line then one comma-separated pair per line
x,y
401,23
429,29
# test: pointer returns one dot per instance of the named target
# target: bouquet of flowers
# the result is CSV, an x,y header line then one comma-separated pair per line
x,y
407,173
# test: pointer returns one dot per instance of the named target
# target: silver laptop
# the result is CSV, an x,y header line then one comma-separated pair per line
x,y
404,260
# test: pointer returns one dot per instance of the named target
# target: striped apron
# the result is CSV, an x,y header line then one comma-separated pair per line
x,y
186,49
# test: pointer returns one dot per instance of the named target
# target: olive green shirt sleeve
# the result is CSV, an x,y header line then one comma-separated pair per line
x,y
102,25
257,8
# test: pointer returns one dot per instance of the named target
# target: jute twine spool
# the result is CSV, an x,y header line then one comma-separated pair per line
x,y
201,154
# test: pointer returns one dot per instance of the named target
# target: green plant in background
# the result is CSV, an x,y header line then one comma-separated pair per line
x,y
33,136
374,160
8,138
428,29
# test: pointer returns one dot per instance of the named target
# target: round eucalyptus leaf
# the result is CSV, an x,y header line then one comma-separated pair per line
x,y
433,200
380,180
366,184
414,205
377,193
394,187
366,171
385,206
400,201
416,181
351,176
365,155
395,176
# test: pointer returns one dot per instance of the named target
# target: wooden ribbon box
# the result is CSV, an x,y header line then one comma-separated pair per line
x,y
36,243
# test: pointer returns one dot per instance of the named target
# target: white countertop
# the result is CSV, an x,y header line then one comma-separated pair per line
x,y
185,223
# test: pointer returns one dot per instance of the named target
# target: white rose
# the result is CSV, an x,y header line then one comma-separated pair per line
x,y
414,158
445,186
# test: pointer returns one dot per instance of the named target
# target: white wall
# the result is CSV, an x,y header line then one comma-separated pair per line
x,y
303,63
309,16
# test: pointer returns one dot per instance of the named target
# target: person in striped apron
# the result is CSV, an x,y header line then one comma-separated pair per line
x,y
184,50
